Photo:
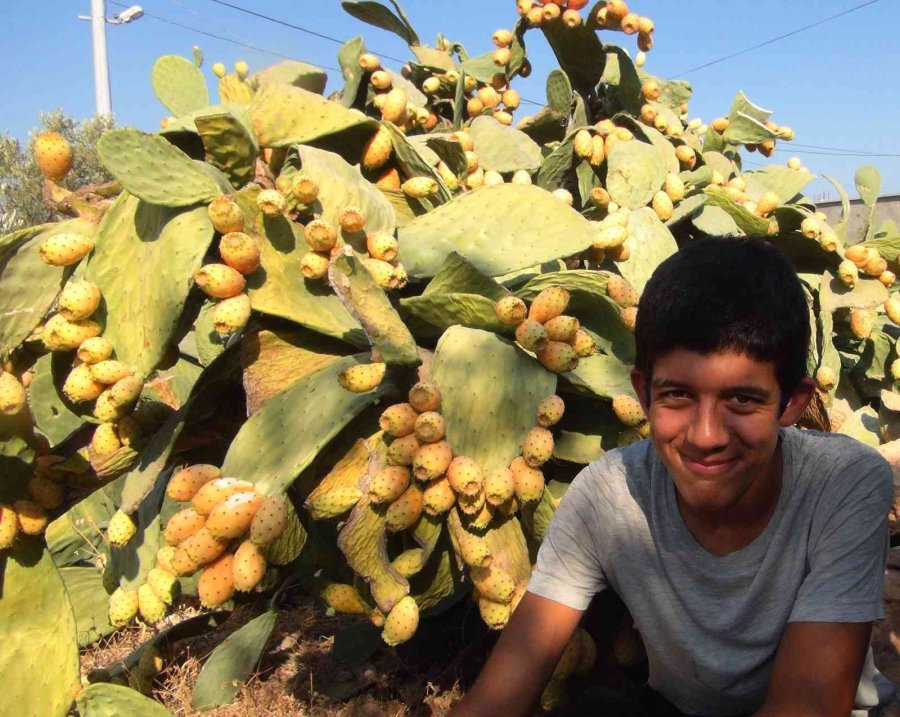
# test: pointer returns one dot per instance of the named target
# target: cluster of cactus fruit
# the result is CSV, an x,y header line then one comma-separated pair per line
x,y
410,428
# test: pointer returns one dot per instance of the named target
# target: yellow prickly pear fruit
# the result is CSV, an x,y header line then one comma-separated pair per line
x,y
511,310
493,583
305,189
502,38
565,196
66,249
182,525
686,156
402,451
465,475
203,547
826,379
438,497
110,371
219,281
583,144
382,246
233,516
382,272
9,526
492,178
225,215
378,150
529,481
94,350
651,90
767,204
53,155
123,607
314,265
124,392
420,187
240,252
499,486
181,563
674,187
447,176
409,562
549,304
571,18
848,273
550,411
270,520
537,448
105,440
352,220
249,566
511,100
216,491
216,584
621,291
369,62
164,558
271,202
475,180
362,377
388,484
60,334
472,505
430,427
12,394
121,529
241,69
405,511
583,344
432,460
862,322
557,357
231,315
892,308
381,80
629,317
105,410
521,177
184,484
79,299
662,205
219,70
562,328
494,614
343,599
628,410
473,550
532,335
152,609
398,420
501,56
888,278
395,106
402,622
31,519
163,584
425,396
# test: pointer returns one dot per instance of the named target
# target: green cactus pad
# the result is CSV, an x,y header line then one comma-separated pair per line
x,y
292,72
90,603
229,143
16,457
348,58
378,15
749,223
232,663
868,184
163,247
491,391
391,340
559,92
413,165
602,376
261,453
179,85
621,72
840,228
76,537
863,426
491,230
154,170
579,53
339,491
787,183
141,480
635,173
867,294
503,149
29,285
40,654
650,243
52,416
283,115
588,429
107,700
506,541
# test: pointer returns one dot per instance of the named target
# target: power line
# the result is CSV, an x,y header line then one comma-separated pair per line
x,y
861,152
842,154
774,39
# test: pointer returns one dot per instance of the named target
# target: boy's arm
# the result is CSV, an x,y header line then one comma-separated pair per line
x,y
817,670
522,661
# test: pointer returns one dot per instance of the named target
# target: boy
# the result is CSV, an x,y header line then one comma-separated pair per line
x,y
750,553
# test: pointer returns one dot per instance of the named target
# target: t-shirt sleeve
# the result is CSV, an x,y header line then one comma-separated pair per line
x,y
568,568
848,545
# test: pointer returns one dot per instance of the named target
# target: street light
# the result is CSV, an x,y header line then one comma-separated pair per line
x,y
101,64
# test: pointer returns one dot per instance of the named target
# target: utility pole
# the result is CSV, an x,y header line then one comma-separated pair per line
x,y
101,65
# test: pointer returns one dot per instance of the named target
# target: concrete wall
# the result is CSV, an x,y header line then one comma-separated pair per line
x,y
888,209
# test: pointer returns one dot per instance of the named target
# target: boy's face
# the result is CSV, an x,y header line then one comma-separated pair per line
x,y
714,422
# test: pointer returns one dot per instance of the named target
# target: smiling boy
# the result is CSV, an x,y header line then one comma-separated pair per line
x,y
749,553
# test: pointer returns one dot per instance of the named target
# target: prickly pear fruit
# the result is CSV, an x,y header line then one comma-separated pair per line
x,y
271,202
465,475
233,516
203,547
378,150
123,607
249,566
343,599
826,378
66,249
419,187
432,460
216,491
240,252
430,427
405,511
892,308
382,245
79,299
438,497
164,558
402,451
60,334
549,304
398,420
662,205
231,315
402,622
425,396
304,188
45,493
9,526
395,107
557,357
184,484
314,265
53,155
628,410
409,562
862,322
121,529
550,411
362,377
474,550
531,335
129,431
79,387
225,215
31,519
494,614
163,584
12,394
621,291
499,486
388,484
629,317
352,220
472,505
219,281
270,520
537,448
511,310
109,371
529,481
182,525
320,235
562,328
152,609
105,440
493,583
94,350
181,563
216,584
767,204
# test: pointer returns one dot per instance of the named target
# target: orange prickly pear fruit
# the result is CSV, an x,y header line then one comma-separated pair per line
x,y
425,396
216,491
532,335
249,566
562,328
79,299
862,322
621,291
398,420
66,249
233,516
240,252
31,519
378,150
388,484
219,281
270,520
405,511
538,447
432,460
557,357
203,547
304,188
225,215
550,411
402,451
352,220
892,308
216,584
53,155
465,475
382,245
529,481
629,317
430,427
549,304
499,486
511,310
438,497
182,525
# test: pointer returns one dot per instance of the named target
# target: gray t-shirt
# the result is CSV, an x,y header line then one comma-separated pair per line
x,y
712,625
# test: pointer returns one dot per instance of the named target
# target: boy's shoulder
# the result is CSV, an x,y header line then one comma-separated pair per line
x,y
622,474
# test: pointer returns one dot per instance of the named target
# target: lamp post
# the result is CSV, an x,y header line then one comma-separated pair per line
x,y
101,63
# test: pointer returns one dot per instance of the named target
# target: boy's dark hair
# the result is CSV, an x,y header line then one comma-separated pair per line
x,y
726,294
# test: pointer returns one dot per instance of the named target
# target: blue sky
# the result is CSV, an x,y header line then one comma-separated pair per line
x,y
836,84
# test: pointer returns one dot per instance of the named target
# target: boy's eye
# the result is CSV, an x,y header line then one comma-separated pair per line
x,y
673,394
745,400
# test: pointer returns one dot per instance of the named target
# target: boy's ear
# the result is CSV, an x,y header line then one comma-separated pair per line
x,y
641,386
800,398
